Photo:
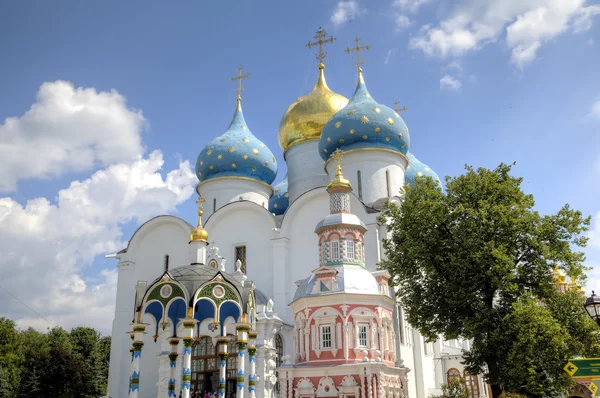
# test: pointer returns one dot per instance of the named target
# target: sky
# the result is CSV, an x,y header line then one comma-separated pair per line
x,y
104,107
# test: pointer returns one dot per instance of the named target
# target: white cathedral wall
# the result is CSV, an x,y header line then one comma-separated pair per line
x,y
305,168
143,261
221,191
372,165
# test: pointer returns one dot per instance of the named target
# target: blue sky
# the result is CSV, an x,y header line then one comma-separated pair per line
x,y
484,83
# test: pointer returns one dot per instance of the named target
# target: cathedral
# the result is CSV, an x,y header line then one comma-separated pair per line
x,y
276,291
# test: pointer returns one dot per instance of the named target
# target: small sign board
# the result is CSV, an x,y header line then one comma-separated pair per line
x,y
583,368
594,386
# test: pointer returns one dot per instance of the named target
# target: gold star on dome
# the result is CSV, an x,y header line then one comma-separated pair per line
x,y
352,131
231,149
328,139
338,125
245,157
287,195
390,121
266,162
243,127
233,165
255,152
325,150
341,140
220,157
275,205
273,159
223,139
201,163
364,120
254,169
262,145
387,138
364,137
351,112
277,189
377,130
209,152
419,174
212,167
244,139
376,110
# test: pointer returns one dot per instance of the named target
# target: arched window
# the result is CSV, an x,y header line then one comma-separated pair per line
x,y
472,384
453,374
278,357
205,366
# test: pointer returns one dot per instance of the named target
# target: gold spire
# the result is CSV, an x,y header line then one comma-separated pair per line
x,y
320,37
358,48
199,234
338,181
239,78
398,110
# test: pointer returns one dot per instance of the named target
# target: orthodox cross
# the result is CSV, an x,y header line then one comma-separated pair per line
x,y
239,78
398,110
200,202
337,155
357,48
320,37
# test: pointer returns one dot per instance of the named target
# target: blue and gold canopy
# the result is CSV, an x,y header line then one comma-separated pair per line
x,y
364,124
236,153
280,201
418,169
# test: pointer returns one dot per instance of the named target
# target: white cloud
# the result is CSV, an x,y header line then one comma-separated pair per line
x,y
46,246
524,25
345,10
594,233
66,129
595,113
402,22
410,5
388,55
450,83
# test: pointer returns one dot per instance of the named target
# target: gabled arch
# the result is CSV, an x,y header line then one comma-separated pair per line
x,y
155,222
321,312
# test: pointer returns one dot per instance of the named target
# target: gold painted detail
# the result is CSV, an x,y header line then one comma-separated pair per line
x,y
352,131
254,169
387,138
233,165
231,149
341,140
377,130
390,121
212,167
338,125
220,157
364,137
357,48
320,38
351,112
376,110
240,76
266,162
275,205
287,195
364,120
255,152
243,127
245,139
398,110
338,181
209,152
245,157
199,234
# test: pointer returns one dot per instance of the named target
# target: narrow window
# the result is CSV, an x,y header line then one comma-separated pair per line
x,y
387,183
350,249
362,335
359,185
240,254
324,252
278,358
335,250
326,336
214,205
166,262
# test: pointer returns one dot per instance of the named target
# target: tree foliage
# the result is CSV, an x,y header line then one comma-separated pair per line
x,y
476,261
53,364
454,389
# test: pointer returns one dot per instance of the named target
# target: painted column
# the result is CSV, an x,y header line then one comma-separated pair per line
x,y
138,343
173,342
252,361
222,352
242,330
189,324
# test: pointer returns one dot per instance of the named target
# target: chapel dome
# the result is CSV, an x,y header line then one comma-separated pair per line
x,y
280,201
305,118
236,153
418,169
364,124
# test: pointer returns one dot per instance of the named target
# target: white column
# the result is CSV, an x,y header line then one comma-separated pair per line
x,y
188,340
242,330
138,343
252,363
222,351
280,247
173,342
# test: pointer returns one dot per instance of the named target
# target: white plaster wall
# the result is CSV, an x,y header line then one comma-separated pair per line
x,y
143,261
245,223
305,168
227,190
372,165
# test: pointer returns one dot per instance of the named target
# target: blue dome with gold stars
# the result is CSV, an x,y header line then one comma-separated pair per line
x,y
236,153
280,201
364,123
418,169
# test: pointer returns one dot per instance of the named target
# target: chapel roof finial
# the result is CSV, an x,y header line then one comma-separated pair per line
x,y
358,48
199,234
398,110
240,76
320,41
338,181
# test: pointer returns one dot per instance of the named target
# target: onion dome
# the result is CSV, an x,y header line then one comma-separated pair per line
x,y
364,124
305,118
418,169
280,201
236,153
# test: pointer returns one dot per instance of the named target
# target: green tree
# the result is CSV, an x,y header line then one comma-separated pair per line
x,y
454,389
468,261
10,358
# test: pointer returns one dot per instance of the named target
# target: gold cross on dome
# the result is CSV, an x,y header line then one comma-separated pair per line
x,y
357,48
200,202
337,155
320,37
398,110
239,78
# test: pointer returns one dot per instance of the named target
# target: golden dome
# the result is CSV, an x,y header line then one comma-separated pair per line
x,y
199,234
305,118
339,181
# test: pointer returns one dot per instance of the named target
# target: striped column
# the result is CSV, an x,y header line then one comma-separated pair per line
x,y
186,367
222,351
252,361
242,330
173,342
138,344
